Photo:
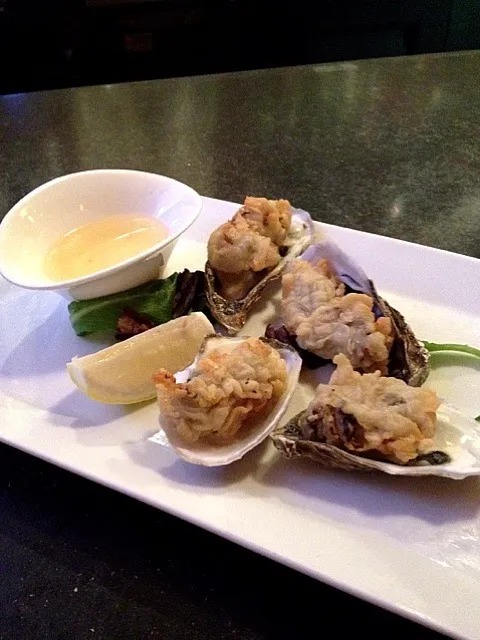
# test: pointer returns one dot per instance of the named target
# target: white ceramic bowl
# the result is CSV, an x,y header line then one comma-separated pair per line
x,y
31,227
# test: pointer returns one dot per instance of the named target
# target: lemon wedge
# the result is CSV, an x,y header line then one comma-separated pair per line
x,y
122,373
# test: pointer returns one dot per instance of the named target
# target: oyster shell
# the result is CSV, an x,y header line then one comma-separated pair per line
x,y
408,358
232,314
212,454
456,444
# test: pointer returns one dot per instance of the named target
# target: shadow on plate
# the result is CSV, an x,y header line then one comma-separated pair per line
x,y
117,424
432,499
265,310
149,454
48,347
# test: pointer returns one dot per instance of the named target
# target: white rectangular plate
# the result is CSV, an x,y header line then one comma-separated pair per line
x,y
411,545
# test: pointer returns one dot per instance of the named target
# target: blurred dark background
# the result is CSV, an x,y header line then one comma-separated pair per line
x,y
59,43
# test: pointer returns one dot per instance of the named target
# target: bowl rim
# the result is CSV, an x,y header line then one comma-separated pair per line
x,y
120,266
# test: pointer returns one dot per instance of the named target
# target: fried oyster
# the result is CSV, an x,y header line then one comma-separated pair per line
x,y
365,415
330,306
242,248
327,321
227,390
250,250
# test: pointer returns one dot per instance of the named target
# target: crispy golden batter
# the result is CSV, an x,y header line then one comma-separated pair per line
x,y
327,322
229,388
248,244
270,218
373,414
236,246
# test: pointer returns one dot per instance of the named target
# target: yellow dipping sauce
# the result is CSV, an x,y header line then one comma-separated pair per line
x,y
102,244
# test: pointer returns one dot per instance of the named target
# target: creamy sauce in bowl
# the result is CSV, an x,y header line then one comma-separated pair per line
x,y
102,244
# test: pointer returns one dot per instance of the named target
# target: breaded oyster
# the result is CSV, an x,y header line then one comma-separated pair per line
x,y
248,244
250,250
364,415
326,320
229,400
227,389
329,306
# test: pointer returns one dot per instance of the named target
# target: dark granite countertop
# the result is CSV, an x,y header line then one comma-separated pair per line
x,y
389,146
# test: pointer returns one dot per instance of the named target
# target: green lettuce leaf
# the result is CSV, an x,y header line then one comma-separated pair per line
x,y
154,299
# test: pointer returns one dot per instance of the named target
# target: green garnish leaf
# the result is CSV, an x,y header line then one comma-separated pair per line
x,y
154,299
457,348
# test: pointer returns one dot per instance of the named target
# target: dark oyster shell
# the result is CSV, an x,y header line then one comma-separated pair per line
x,y
408,360
291,441
296,439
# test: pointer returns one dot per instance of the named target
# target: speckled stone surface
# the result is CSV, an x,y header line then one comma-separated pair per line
x,y
388,146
